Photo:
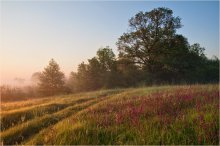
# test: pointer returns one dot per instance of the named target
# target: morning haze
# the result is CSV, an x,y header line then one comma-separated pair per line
x,y
71,32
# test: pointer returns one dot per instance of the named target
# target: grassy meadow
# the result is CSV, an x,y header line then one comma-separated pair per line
x,y
150,115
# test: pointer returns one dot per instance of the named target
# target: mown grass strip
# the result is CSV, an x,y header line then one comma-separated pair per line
x,y
19,133
64,124
14,118
20,105
10,106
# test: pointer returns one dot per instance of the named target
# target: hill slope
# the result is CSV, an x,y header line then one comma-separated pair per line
x,y
154,115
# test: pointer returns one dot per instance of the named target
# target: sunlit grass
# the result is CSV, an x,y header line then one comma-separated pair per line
x,y
154,115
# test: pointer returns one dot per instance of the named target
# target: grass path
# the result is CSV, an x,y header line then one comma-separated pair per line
x,y
68,124
18,115
17,134
10,119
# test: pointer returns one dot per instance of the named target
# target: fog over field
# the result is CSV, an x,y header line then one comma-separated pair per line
x,y
71,32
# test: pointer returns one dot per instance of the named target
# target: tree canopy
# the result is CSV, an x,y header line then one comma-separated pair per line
x,y
51,80
152,44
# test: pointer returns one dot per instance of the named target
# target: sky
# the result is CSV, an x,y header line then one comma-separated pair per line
x,y
33,32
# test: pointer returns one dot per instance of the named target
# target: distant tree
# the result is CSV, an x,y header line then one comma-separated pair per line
x,y
72,82
108,70
79,80
35,78
106,58
196,64
212,70
100,72
51,79
94,74
197,50
130,74
32,90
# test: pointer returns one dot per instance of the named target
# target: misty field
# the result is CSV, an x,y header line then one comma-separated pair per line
x,y
151,115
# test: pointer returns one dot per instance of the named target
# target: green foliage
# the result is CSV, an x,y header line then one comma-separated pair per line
x,y
51,79
106,58
164,56
148,33
149,53
100,72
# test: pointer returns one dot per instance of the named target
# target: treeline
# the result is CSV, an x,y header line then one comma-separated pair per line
x,y
109,72
151,52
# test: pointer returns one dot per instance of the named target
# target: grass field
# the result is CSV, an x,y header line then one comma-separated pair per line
x,y
153,115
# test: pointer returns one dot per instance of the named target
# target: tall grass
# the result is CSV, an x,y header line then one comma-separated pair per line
x,y
187,115
24,129
155,115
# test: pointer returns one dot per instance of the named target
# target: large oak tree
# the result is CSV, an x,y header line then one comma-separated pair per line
x,y
152,44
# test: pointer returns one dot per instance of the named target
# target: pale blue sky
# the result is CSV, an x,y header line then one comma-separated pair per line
x,y
71,32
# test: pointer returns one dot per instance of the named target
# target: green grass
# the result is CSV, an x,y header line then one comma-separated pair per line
x,y
153,115
13,118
